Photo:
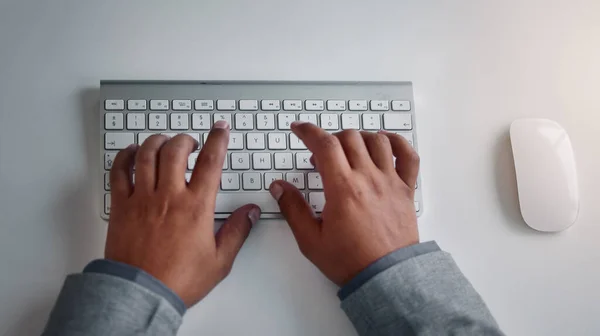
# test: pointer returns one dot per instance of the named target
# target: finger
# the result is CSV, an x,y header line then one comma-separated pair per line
x,y
146,163
380,149
327,150
209,165
121,186
173,159
355,149
407,159
232,235
296,211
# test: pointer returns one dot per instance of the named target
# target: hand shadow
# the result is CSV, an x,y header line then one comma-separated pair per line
x,y
82,231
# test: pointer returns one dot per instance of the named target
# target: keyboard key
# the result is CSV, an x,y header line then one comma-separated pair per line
x,y
118,140
203,105
236,141
417,207
107,204
223,116
336,105
303,161
313,105
230,181
201,121
407,136
114,104
136,105
283,161
295,142
157,121
271,177
188,177
244,121
251,181
192,161
265,121
329,121
261,161
292,105
143,136
113,121
107,181
397,121
277,141
380,105
308,117
400,105
159,105
180,121
248,105
225,105
285,120
226,162
255,140
316,201
240,161
109,159
371,121
296,179
357,105
270,105
314,181
182,105
136,121
350,121
228,202
196,137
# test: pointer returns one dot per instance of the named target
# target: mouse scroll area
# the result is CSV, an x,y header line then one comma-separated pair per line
x,y
546,174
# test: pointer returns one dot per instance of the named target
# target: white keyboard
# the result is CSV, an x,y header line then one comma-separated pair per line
x,y
262,148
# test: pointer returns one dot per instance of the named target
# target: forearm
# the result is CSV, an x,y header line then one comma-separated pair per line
x,y
102,304
423,295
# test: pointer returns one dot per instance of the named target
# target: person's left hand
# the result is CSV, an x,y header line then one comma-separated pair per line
x,y
164,225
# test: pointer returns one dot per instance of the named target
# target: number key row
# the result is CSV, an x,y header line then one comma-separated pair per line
x,y
264,121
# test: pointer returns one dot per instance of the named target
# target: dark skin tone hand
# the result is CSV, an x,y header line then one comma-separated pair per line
x,y
165,226
370,201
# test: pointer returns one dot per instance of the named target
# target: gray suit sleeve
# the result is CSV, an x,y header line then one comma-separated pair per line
x,y
424,295
100,304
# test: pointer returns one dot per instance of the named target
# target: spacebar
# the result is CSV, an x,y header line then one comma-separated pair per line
x,y
228,202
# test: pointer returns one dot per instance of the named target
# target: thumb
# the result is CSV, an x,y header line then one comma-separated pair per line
x,y
295,209
232,235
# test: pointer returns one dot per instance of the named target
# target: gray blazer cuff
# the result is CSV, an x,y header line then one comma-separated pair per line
x,y
384,263
424,295
100,304
139,276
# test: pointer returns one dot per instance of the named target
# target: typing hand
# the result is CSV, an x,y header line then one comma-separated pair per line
x,y
369,210
164,225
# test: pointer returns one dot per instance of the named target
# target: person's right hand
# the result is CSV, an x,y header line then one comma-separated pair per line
x,y
369,210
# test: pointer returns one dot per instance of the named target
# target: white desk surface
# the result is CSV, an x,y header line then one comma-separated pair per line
x,y
476,66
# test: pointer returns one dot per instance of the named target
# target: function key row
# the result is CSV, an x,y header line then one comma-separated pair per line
x,y
255,105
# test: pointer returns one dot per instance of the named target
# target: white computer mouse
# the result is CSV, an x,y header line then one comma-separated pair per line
x,y
546,174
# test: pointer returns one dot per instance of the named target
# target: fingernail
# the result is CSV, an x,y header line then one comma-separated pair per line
x,y
276,191
254,215
298,123
221,124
